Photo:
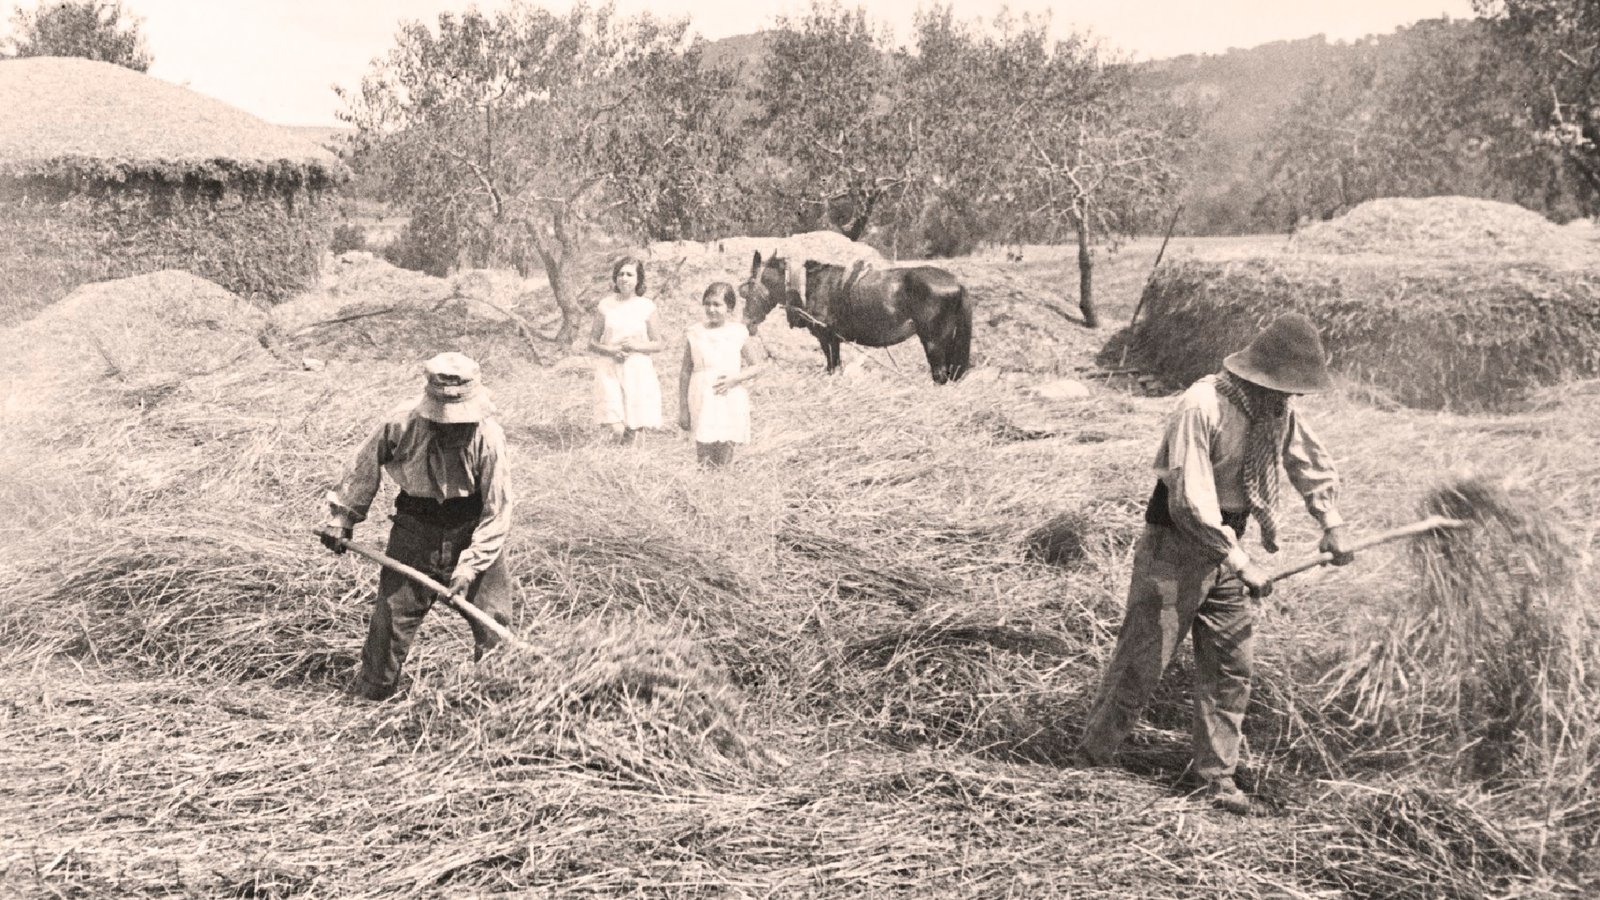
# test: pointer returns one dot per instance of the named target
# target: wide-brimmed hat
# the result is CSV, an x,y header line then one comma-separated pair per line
x,y
453,393
1287,356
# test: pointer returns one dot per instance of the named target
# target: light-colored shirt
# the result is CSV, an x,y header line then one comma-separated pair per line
x,y
407,448
1201,459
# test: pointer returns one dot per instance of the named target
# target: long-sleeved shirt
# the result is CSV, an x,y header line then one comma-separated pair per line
x,y
1202,457
407,447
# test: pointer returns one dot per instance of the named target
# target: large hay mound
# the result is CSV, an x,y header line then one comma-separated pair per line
x,y
82,115
1436,226
1469,333
169,323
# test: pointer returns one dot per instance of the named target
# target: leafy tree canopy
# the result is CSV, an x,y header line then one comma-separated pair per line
x,y
92,29
513,138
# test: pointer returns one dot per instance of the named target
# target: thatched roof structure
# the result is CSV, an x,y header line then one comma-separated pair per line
x,y
69,116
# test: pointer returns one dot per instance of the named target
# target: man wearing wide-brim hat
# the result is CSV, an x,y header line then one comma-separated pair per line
x,y
447,455
1226,440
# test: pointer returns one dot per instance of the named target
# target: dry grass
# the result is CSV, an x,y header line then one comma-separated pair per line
x,y
839,668
69,115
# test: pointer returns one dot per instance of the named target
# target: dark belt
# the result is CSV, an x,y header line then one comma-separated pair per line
x,y
450,513
1156,512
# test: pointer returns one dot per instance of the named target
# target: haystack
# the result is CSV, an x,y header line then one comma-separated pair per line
x,y
1438,226
1477,309
106,172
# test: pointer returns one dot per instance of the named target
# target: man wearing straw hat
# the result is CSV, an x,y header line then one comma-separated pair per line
x,y
446,453
1217,467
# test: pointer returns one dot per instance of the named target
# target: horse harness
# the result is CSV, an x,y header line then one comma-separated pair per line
x,y
790,308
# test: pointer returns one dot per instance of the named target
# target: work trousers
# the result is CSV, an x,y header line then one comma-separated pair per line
x,y
1177,589
401,605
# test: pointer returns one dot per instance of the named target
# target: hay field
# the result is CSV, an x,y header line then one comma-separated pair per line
x,y
839,669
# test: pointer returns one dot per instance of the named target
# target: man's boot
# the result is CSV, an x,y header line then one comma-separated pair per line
x,y
1226,796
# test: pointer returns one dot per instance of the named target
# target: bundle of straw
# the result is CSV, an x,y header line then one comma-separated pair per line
x,y
1491,665
1411,841
987,687
628,698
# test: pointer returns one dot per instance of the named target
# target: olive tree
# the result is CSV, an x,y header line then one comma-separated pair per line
x,y
831,118
1083,154
515,138
1556,45
91,29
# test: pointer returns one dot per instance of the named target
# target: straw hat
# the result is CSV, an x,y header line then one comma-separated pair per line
x,y
1287,357
453,393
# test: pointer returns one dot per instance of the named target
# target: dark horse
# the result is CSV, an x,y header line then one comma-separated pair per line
x,y
874,308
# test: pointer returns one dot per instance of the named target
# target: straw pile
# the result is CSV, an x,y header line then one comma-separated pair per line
x,y
1471,332
106,173
164,326
993,689
1438,226
82,116
627,698
1492,666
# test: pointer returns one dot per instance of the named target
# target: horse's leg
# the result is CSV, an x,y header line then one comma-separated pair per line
x,y
933,349
830,350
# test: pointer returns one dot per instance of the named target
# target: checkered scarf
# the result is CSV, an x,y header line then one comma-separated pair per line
x,y
1263,453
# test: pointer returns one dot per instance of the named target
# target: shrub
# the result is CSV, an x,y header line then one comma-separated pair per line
x,y
347,237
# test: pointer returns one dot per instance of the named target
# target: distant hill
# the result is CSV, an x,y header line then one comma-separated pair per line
x,y
331,137
1245,90
745,49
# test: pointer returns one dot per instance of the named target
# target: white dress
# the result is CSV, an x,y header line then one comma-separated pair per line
x,y
716,352
629,391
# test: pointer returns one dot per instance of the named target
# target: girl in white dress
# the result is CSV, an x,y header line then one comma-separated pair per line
x,y
627,393
718,358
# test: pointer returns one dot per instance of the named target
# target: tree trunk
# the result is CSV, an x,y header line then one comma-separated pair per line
x,y
1086,278
565,297
554,250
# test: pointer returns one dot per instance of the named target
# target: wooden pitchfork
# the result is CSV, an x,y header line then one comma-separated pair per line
x,y
421,579
1432,523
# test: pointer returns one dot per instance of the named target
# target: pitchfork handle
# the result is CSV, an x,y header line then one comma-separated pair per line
x,y
1432,523
467,609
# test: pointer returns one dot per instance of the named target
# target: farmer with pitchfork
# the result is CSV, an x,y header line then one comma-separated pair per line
x,y
447,455
1217,467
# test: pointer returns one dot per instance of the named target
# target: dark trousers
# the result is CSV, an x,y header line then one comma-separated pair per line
x,y
1177,591
432,548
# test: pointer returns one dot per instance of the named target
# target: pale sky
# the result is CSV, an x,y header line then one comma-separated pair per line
x,y
278,58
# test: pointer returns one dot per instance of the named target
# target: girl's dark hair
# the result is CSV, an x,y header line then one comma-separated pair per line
x,y
638,288
722,291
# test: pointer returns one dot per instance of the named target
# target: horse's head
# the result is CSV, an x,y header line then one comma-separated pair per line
x,y
767,286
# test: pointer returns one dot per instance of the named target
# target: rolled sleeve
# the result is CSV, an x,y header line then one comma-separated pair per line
x,y
1311,470
350,499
